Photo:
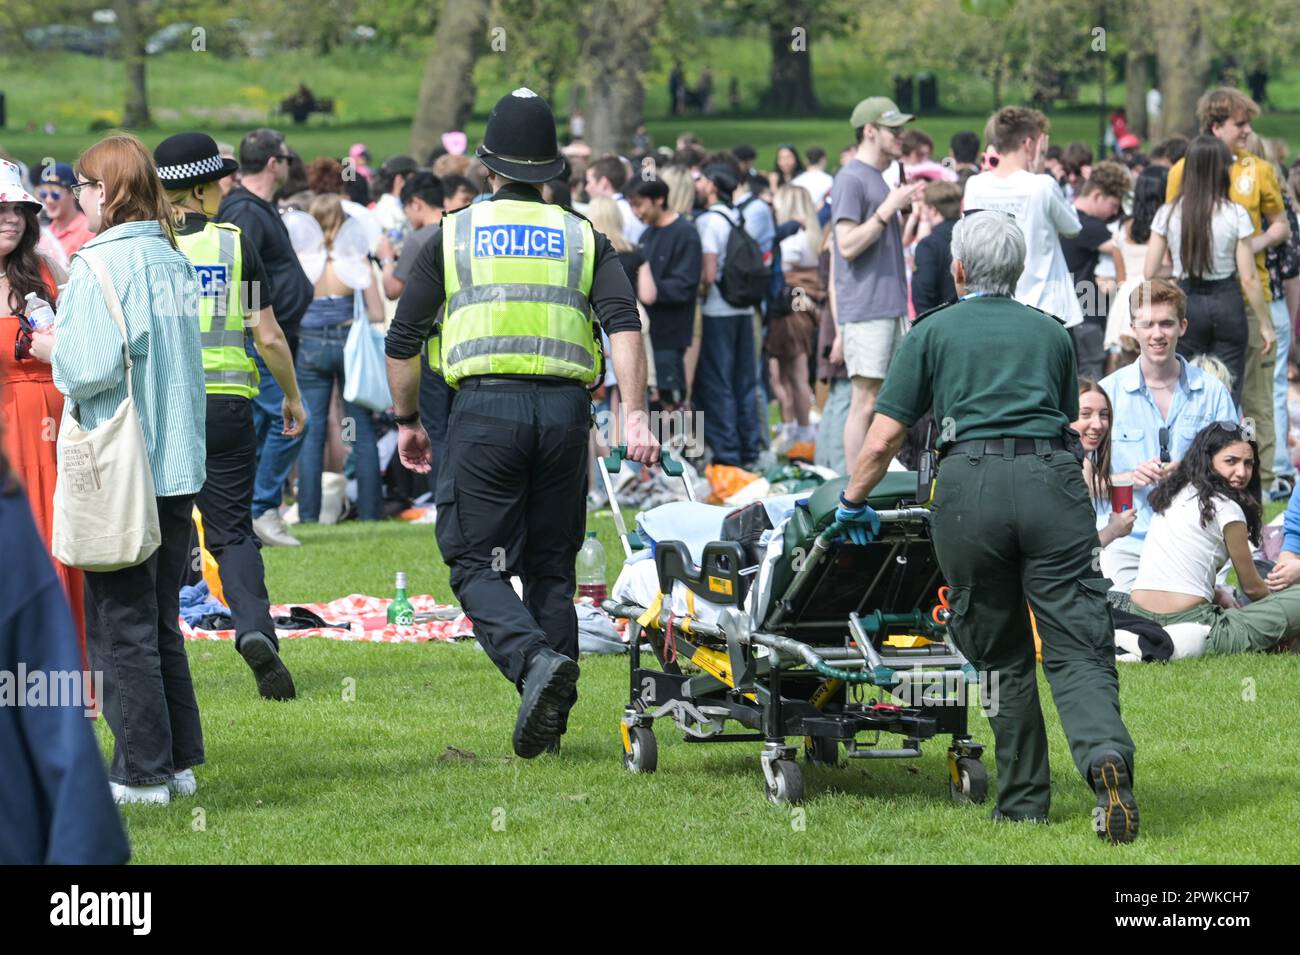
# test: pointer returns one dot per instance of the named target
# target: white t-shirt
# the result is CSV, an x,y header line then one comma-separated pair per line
x,y
796,253
714,233
1043,214
817,182
1181,556
1230,224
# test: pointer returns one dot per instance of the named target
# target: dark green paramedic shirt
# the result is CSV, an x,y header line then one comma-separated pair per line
x,y
990,367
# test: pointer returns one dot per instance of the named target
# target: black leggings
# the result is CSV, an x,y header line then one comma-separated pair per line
x,y
1216,325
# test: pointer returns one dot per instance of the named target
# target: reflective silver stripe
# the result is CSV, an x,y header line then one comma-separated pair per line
x,y
573,238
227,252
223,338
464,233
228,377
521,345
512,292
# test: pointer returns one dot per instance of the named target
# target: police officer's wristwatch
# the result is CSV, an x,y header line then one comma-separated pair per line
x,y
406,420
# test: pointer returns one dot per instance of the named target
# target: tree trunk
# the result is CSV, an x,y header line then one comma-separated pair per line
x,y
615,51
1183,57
791,80
447,89
1135,91
135,114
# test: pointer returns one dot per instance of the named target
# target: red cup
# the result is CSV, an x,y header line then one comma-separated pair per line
x,y
1121,498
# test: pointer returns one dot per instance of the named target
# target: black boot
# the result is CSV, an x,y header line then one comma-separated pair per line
x,y
1116,815
274,681
548,687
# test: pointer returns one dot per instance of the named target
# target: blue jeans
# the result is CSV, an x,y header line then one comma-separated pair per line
x,y
276,454
320,365
1282,463
726,388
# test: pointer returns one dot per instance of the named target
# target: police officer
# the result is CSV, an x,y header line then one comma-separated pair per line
x,y
1012,520
519,280
233,299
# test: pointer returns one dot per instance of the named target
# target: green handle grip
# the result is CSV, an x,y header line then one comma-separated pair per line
x,y
614,461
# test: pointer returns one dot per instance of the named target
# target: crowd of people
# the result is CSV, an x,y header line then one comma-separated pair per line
x,y
1177,273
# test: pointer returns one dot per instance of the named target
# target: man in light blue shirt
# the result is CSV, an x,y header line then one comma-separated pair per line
x,y
1160,402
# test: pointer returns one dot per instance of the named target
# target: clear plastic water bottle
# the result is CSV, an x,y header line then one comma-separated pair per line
x,y
38,311
591,570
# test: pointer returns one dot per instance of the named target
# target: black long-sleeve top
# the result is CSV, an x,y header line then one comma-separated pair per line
x,y
611,294
932,283
675,261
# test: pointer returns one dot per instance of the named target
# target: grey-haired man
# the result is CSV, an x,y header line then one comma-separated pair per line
x,y
1013,521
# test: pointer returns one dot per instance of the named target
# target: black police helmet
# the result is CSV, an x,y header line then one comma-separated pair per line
x,y
520,142
188,159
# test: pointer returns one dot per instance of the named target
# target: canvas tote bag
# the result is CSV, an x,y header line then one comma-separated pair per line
x,y
105,512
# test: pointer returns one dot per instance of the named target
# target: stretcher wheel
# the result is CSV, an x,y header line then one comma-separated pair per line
x,y
974,781
822,751
644,757
788,790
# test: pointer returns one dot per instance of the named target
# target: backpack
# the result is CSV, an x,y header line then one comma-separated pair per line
x,y
745,279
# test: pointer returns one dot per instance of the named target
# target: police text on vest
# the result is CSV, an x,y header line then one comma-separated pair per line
x,y
515,240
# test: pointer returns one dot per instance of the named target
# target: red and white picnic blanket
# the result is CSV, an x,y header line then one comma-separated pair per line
x,y
363,618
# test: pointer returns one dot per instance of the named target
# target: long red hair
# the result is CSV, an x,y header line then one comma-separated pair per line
x,y
132,190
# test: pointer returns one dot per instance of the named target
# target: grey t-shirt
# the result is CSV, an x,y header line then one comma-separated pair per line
x,y
874,285
410,249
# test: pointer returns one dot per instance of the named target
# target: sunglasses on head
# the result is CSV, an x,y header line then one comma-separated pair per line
x,y
971,212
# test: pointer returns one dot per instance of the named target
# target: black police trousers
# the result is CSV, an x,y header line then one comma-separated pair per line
x,y
511,502
226,503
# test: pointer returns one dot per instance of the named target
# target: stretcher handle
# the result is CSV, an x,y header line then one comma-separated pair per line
x,y
902,515
614,461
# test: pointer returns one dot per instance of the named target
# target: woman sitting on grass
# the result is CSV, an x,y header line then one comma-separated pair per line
x,y
1206,511
1093,428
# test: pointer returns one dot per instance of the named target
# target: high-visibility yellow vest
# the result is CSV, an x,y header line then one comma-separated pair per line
x,y
517,275
214,253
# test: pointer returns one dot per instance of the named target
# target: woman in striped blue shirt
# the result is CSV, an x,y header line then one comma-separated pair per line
x,y
132,630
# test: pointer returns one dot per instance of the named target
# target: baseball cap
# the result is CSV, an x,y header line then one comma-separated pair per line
x,y
878,111
60,173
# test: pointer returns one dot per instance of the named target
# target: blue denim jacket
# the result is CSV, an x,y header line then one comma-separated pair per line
x,y
159,291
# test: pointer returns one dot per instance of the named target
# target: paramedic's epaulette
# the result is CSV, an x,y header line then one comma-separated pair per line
x,y
1054,318
930,311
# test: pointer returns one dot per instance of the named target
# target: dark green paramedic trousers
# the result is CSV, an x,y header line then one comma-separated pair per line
x,y
1010,529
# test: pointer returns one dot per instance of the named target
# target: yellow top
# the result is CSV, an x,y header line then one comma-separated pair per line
x,y
1254,185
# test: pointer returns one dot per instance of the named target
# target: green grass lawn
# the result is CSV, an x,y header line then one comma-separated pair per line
x,y
370,779
375,93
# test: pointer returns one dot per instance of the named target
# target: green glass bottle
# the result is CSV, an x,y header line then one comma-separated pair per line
x,y
400,610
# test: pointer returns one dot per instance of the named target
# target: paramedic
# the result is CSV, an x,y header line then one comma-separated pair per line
x,y
1012,519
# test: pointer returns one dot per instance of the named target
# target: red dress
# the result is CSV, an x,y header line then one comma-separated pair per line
x,y
32,409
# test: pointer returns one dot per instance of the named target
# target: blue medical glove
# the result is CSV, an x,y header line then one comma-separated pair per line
x,y
860,523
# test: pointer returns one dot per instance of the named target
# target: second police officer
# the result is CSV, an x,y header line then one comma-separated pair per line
x,y
517,281
233,301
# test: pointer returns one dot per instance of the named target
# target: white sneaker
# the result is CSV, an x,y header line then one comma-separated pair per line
x,y
333,497
150,794
271,529
183,783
